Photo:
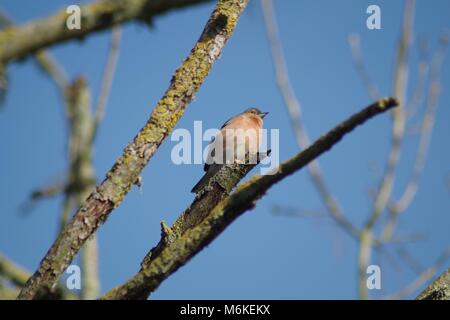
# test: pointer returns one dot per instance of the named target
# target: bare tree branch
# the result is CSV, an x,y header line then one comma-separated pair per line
x,y
18,276
381,200
426,128
294,212
46,62
125,172
398,124
407,258
13,272
51,67
7,293
45,192
425,137
81,175
219,186
90,266
355,47
420,86
422,279
294,110
18,42
108,76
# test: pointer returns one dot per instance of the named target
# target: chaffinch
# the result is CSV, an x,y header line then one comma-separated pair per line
x,y
240,136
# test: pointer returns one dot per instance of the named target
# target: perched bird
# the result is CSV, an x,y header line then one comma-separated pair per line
x,y
245,132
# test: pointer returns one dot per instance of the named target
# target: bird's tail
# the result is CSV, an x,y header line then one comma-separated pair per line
x,y
203,182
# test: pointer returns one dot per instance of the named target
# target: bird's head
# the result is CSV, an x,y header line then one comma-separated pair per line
x,y
255,111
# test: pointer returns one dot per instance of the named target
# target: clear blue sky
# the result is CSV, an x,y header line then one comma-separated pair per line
x,y
261,255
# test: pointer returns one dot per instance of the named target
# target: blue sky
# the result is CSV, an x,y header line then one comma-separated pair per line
x,y
261,255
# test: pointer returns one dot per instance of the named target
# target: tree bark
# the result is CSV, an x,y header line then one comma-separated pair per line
x,y
16,42
125,172
439,289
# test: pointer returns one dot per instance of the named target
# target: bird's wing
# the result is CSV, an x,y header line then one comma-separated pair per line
x,y
227,122
211,154
204,181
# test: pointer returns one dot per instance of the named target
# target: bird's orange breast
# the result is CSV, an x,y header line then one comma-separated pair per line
x,y
246,134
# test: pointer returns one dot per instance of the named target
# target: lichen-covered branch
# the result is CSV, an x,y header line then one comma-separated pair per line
x,y
178,251
89,253
217,189
125,172
46,62
18,42
439,289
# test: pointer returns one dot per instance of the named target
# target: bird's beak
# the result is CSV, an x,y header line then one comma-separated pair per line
x,y
263,114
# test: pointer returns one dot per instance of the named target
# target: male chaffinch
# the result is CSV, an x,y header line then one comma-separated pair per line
x,y
239,137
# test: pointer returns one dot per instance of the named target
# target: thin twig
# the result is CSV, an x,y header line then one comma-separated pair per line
x,y
358,61
90,266
407,258
108,76
7,293
297,212
425,137
13,272
17,276
45,61
426,128
294,110
65,212
398,124
423,278
384,191
55,70
420,86
45,192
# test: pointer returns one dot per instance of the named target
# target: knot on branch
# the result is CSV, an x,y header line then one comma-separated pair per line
x,y
167,235
387,102
216,25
